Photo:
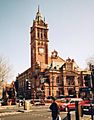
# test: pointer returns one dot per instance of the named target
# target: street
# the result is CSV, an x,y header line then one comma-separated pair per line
x,y
36,113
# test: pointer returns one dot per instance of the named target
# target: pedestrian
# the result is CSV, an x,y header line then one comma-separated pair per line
x,y
55,109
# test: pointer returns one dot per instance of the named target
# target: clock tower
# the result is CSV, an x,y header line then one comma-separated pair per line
x,y
39,41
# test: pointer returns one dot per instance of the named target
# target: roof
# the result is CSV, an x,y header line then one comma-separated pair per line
x,y
55,62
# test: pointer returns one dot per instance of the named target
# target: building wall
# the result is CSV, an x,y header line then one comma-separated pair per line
x,y
22,86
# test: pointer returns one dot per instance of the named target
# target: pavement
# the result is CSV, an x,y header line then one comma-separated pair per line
x,y
12,109
85,117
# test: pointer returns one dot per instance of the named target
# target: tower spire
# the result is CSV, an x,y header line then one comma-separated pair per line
x,y
38,14
38,9
44,19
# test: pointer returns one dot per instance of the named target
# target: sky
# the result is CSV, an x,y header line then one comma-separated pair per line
x,y
71,30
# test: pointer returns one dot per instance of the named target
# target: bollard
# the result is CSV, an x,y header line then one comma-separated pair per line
x,y
81,111
17,104
76,110
24,104
28,105
68,114
91,112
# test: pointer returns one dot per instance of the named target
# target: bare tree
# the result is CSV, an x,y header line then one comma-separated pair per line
x,y
90,62
5,69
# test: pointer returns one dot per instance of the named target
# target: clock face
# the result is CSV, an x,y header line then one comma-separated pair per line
x,y
41,50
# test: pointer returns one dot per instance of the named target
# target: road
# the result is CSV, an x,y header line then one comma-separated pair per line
x,y
36,113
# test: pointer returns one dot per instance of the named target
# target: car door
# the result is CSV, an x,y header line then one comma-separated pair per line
x,y
71,105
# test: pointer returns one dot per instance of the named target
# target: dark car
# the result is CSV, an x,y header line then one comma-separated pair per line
x,y
60,97
88,109
49,97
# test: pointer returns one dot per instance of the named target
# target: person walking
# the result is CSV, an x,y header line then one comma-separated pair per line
x,y
55,109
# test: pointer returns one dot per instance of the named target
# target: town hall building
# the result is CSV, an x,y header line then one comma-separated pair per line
x,y
49,74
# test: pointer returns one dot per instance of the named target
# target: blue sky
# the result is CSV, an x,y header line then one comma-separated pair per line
x,y
71,29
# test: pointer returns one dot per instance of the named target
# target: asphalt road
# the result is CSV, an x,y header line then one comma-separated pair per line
x,y
36,113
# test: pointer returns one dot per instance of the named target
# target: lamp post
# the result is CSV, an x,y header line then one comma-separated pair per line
x,y
33,93
52,84
52,56
62,69
24,92
92,81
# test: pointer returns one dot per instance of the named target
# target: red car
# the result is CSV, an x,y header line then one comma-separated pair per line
x,y
71,104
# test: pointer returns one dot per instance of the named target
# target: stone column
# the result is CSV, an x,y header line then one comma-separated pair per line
x,y
43,34
76,85
65,86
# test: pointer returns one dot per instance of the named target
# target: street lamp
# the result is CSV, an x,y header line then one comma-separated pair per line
x,y
24,92
52,84
62,69
33,95
25,88
53,55
92,81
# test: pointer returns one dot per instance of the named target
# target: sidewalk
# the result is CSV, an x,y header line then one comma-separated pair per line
x,y
86,117
6,110
72,114
7,106
12,109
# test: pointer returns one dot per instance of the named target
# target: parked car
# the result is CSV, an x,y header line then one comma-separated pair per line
x,y
88,108
20,101
48,99
71,104
60,97
63,96
4,102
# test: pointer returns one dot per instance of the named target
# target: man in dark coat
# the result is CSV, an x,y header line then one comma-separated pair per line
x,y
55,109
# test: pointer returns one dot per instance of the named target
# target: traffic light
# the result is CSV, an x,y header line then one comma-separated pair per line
x,y
47,80
92,75
16,85
87,80
28,85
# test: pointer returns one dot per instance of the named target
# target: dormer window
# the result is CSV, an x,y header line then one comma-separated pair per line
x,y
54,54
